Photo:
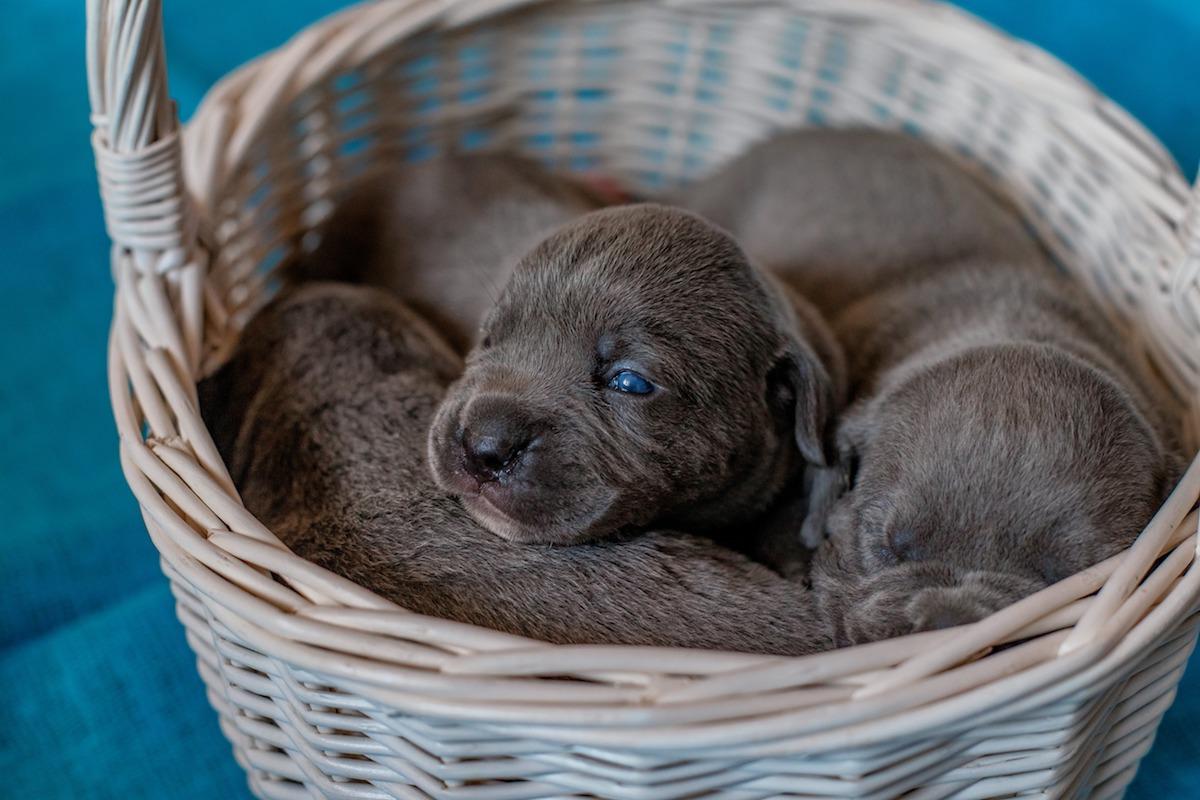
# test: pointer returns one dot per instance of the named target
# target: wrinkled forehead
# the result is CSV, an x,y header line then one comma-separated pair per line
x,y
1021,401
1011,450
625,318
628,293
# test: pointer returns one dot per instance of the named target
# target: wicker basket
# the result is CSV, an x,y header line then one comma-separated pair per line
x,y
327,690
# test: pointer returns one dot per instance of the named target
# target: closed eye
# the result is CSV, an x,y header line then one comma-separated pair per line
x,y
897,546
626,381
886,555
903,544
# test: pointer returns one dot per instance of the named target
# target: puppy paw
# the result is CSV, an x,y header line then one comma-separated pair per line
x,y
939,607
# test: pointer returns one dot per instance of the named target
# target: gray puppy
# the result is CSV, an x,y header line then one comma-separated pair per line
x,y
322,415
1000,436
638,370
444,234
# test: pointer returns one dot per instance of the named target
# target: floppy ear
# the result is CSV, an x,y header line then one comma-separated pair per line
x,y
804,390
824,486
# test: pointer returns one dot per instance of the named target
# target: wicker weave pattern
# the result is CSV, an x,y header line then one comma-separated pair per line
x,y
327,690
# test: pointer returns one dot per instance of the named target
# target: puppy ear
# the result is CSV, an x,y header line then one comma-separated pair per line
x,y
825,486
804,391
854,432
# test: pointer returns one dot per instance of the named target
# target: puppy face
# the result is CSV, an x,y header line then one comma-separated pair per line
x,y
980,479
635,369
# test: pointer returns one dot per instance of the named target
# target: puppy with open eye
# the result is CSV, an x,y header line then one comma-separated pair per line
x,y
1000,436
638,370
322,415
443,234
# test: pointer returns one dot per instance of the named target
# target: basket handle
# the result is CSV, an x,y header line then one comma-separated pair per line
x,y
136,141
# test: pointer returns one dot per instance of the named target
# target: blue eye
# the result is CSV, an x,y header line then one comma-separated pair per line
x,y
630,382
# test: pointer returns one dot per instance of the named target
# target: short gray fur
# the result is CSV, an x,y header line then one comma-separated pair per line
x,y
1000,435
321,415
443,234
750,381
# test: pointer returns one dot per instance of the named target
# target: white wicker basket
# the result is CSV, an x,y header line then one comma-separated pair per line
x,y
327,690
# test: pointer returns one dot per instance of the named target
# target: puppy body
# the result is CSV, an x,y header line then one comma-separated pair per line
x,y
1002,442
999,435
444,234
322,415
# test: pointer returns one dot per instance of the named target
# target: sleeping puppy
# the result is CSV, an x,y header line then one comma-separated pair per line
x,y
1000,436
638,370
322,415
444,234
839,213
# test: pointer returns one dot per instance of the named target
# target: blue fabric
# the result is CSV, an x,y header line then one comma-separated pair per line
x,y
101,697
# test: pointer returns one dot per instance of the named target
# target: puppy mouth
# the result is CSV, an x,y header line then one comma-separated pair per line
x,y
515,504
497,498
494,507
499,509
496,504
485,512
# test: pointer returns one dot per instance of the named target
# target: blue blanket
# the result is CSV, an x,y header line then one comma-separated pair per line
x,y
102,700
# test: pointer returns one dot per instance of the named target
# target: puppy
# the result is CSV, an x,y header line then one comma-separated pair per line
x,y
638,370
444,234
839,213
1000,436
322,415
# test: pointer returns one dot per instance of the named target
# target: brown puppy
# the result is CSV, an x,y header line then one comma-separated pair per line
x,y
444,234
322,415
1000,437
637,370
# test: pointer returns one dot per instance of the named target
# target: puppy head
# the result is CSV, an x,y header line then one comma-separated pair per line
x,y
636,368
979,479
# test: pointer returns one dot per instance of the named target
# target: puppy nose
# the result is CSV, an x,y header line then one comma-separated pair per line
x,y
491,447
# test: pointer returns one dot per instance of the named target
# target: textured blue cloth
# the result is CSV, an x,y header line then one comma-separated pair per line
x,y
101,697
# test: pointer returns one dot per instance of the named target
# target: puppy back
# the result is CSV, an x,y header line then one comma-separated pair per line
x,y
444,234
837,213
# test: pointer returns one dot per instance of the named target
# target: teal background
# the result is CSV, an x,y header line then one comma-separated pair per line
x,y
101,697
